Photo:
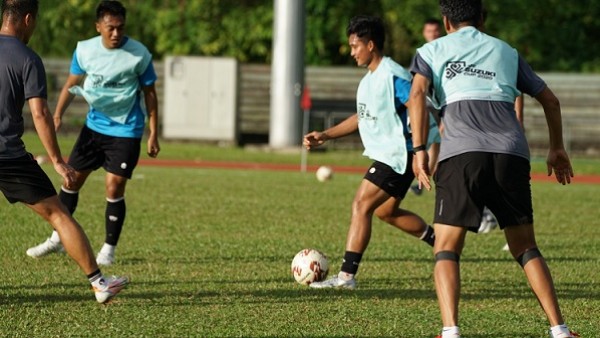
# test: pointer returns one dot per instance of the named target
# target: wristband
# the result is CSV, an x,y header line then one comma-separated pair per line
x,y
419,148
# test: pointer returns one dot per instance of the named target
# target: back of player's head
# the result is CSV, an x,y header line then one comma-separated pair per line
x,y
462,11
110,7
369,28
18,9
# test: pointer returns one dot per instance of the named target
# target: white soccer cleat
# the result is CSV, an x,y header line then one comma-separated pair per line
x,y
46,248
570,334
488,222
105,259
334,282
109,288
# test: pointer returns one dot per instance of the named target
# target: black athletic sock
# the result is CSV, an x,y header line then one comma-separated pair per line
x,y
69,199
429,236
351,262
115,217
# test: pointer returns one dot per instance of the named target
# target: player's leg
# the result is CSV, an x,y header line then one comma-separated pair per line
x,y
69,193
448,248
458,207
114,217
366,200
514,208
68,196
368,197
76,244
397,185
407,221
78,247
522,245
84,158
22,180
121,158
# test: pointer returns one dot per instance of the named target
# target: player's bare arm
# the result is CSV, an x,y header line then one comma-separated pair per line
x,y
151,100
519,110
419,126
44,126
557,160
65,98
346,127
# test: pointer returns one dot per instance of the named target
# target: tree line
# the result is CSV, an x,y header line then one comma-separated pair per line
x,y
552,35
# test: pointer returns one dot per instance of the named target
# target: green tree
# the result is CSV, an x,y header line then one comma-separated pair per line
x,y
552,35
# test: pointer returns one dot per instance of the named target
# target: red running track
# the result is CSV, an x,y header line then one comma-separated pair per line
x,y
582,179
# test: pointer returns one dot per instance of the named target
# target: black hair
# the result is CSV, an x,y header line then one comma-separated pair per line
x,y
110,7
433,21
368,27
18,9
462,11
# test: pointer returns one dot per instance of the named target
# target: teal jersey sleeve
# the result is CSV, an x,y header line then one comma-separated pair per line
x,y
401,91
75,67
148,77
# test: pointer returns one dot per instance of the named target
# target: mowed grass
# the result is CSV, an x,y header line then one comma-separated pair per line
x,y
209,253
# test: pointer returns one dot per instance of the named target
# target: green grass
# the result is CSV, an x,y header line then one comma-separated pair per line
x,y
209,254
206,152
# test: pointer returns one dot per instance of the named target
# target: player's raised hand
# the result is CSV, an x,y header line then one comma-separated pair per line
x,y
558,161
314,139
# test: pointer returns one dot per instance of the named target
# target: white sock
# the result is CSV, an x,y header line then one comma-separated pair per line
x,y
450,332
54,237
108,249
345,276
560,331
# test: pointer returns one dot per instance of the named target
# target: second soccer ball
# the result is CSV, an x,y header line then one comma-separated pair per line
x,y
324,173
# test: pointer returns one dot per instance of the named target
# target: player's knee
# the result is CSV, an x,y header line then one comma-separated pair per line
x,y
447,256
528,255
383,214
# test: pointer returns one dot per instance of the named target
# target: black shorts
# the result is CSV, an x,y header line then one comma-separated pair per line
x,y
383,176
117,155
23,180
465,183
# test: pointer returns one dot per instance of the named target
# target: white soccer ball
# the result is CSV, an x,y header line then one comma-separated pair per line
x,y
309,265
324,173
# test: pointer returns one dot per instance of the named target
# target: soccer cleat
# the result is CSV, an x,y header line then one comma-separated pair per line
x,y
455,335
334,282
105,259
488,222
110,287
571,334
46,248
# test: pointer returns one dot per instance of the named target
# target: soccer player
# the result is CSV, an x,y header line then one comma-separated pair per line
x,y
484,159
23,78
382,122
432,29
117,70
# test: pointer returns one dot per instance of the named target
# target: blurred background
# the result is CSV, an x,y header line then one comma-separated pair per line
x,y
558,38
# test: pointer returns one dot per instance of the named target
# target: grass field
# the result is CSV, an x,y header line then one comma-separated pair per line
x,y
209,253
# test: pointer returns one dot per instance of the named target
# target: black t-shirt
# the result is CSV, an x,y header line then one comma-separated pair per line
x,y
22,76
